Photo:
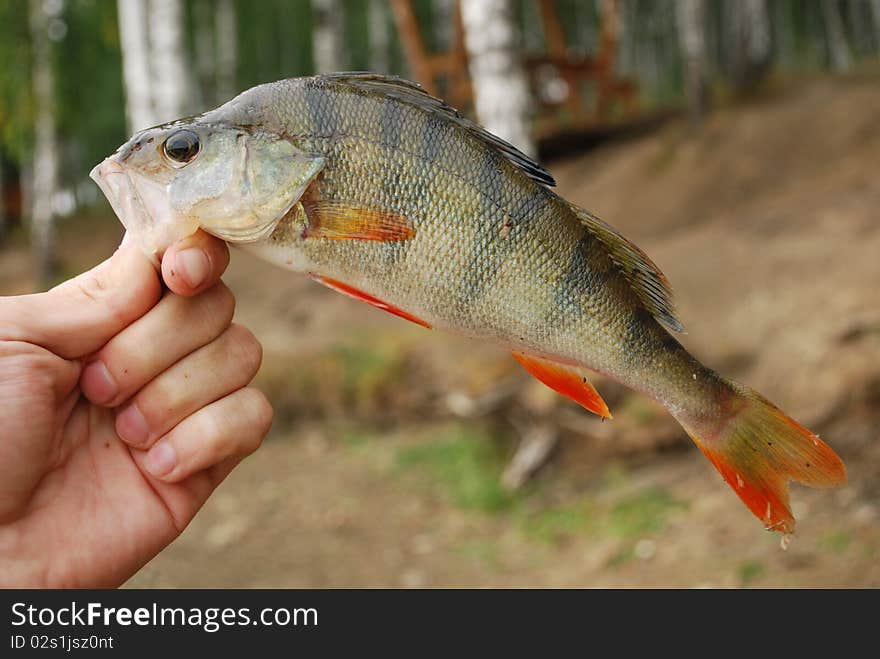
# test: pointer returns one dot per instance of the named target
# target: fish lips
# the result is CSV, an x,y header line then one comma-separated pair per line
x,y
141,205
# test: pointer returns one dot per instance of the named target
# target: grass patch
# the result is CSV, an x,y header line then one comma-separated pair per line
x,y
554,525
366,381
642,513
749,571
483,552
836,541
464,464
353,439
622,557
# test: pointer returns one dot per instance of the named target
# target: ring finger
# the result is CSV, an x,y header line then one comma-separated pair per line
x,y
233,426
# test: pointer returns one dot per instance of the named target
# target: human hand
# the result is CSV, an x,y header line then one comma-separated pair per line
x,y
121,409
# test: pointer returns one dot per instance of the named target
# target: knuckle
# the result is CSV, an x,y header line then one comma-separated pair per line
x,y
212,310
247,349
262,412
226,299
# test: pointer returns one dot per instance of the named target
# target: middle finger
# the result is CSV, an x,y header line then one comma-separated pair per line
x,y
171,330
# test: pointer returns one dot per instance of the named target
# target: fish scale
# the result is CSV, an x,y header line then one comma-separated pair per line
x,y
386,194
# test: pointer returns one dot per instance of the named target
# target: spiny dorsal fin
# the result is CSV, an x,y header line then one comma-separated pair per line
x,y
414,94
649,284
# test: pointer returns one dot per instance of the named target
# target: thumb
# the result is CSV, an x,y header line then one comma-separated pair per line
x,y
79,316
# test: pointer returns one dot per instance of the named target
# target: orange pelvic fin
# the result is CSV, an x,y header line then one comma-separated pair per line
x,y
759,449
341,221
352,292
566,380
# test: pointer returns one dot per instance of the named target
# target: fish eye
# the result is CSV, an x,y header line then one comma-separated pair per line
x,y
181,147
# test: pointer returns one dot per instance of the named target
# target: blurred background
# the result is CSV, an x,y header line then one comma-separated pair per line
x,y
736,141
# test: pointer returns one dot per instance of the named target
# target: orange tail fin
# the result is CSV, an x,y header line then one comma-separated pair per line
x,y
759,449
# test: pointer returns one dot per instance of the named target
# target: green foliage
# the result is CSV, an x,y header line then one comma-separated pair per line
x,y
275,40
465,465
16,104
90,116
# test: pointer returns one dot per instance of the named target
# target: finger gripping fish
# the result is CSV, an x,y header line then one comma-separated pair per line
x,y
382,192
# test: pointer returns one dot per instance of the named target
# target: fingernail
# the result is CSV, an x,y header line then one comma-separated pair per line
x,y
131,426
97,383
193,266
161,459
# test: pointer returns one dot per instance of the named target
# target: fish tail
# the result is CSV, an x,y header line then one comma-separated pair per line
x,y
758,449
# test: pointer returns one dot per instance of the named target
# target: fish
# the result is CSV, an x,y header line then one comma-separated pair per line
x,y
384,193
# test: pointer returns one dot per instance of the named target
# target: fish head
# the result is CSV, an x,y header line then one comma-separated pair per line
x,y
234,182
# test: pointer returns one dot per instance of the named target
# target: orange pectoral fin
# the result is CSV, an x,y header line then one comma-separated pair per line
x,y
352,292
566,380
341,221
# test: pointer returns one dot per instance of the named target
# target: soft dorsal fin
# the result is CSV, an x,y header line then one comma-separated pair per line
x,y
414,94
649,283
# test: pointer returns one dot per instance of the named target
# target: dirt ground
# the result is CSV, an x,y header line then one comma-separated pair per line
x,y
765,220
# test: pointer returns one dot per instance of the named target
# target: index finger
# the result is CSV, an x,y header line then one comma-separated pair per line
x,y
194,264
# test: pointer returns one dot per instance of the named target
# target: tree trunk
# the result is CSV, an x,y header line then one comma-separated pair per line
x,y
875,14
380,36
45,164
859,25
172,91
501,91
838,50
691,20
444,22
227,49
205,52
752,43
327,36
136,64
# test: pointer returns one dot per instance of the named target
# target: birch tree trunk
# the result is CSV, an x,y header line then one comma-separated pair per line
x,y
226,29
134,42
205,52
45,164
444,22
327,36
380,36
501,91
875,14
838,50
752,43
172,91
691,20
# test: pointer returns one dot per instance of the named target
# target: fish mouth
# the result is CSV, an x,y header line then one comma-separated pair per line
x,y
140,204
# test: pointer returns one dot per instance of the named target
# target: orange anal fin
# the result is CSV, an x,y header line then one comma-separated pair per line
x,y
566,380
352,292
340,221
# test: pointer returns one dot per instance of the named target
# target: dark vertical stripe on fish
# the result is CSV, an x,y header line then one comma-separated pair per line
x,y
432,137
575,285
499,231
322,110
392,124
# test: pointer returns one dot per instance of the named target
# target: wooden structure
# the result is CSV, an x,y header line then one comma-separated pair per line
x,y
446,73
